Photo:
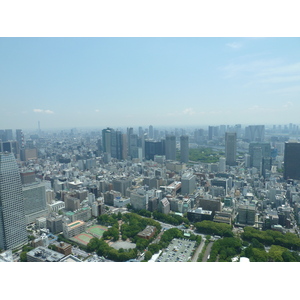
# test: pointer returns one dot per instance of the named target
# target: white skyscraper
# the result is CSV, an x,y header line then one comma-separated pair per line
x,y
12,213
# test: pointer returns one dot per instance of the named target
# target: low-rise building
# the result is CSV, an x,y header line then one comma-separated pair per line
x,y
74,228
43,254
147,233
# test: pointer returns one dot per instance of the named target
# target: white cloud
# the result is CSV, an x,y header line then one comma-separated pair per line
x,y
43,111
234,45
188,111
97,110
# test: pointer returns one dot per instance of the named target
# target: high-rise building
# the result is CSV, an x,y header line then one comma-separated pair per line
x,y
151,132
230,148
292,160
184,149
255,133
258,152
171,147
13,232
154,148
116,144
106,140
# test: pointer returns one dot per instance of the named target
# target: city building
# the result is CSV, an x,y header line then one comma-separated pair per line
x,y
74,228
184,149
230,148
292,160
43,254
188,183
34,201
171,147
13,232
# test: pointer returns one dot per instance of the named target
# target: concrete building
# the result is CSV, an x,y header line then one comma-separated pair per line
x,y
13,232
246,214
171,147
164,206
230,148
184,149
188,183
74,228
55,223
43,254
139,199
34,201
199,214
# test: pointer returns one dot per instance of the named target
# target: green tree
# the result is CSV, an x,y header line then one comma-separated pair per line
x,y
148,255
23,256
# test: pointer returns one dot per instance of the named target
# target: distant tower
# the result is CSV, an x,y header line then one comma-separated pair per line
x,y
39,126
184,149
171,147
13,232
230,148
151,132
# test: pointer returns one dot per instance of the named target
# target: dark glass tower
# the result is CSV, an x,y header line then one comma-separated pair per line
x,y
292,161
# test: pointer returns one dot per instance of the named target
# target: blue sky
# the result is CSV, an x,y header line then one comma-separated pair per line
x,y
99,82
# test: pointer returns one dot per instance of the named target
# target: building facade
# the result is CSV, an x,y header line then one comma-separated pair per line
x,y
13,232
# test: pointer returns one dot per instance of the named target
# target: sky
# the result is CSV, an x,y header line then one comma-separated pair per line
x,y
163,81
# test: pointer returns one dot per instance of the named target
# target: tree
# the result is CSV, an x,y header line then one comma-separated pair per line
x,y
148,255
23,256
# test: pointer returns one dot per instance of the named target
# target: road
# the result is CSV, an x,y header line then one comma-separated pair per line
x,y
198,250
207,252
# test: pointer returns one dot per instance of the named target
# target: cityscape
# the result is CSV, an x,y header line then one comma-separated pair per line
x,y
226,193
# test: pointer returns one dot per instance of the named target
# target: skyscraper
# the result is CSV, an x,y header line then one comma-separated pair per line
x,y
12,213
171,147
230,148
184,149
292,161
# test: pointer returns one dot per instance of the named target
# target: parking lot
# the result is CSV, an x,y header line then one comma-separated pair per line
x,y
179,250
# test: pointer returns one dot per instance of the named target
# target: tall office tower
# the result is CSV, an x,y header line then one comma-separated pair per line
x,y
238,130
292,160
210,132
141,146
184,149
133,146
151,132
255,133
20,139
124,146
257,152
222,130
106,140
129,133
153,148
171,147
116,144
8,134
12,213
230,148
141,131
199,136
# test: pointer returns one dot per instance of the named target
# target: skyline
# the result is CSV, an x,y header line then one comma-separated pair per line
x,y
120,82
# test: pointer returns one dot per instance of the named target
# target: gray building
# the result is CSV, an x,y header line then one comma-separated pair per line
x,y
188,183
184,149
170,147
43,254
230,148
13,232
34,201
